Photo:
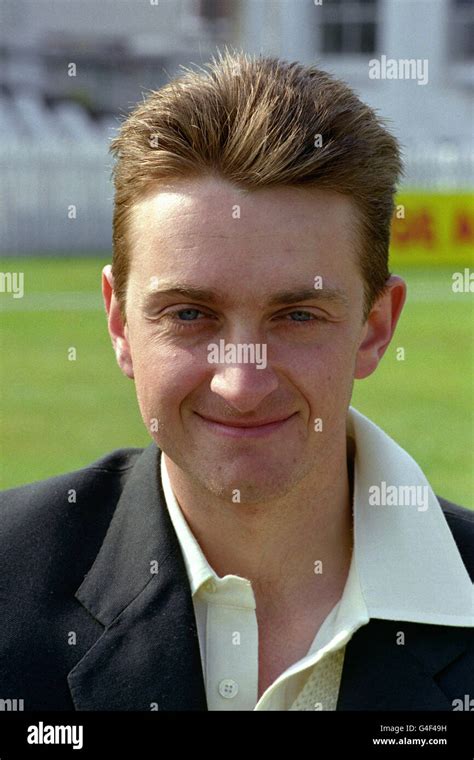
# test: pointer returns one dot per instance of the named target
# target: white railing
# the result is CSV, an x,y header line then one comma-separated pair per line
x,y
55,198
439,167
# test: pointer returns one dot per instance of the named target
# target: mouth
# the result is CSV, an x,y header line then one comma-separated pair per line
x,y
244,430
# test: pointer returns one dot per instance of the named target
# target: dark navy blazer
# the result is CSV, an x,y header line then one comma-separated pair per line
x,y
89,621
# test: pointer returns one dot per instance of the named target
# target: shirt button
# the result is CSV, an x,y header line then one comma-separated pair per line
x,y
228,688
210,586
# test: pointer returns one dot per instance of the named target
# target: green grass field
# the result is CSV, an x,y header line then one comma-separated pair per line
x,y
58,415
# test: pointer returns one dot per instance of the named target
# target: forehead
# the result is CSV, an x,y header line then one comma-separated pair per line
x,y
210,201
195,226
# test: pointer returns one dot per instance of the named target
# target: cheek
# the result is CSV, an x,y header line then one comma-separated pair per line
x,y
326,384
326,365
165,376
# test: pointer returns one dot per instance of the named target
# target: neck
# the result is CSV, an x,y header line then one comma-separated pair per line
x,y
284,547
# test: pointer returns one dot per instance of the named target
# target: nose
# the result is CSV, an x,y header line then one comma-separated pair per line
x,y
243,386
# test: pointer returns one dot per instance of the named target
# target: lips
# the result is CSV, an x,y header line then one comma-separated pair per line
x,y
240,430
258,423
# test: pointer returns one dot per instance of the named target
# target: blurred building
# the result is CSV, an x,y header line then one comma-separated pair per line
x,y
103,53
70,69
344,35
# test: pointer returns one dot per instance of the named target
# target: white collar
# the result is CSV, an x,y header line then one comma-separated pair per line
x,y
407,560
405,565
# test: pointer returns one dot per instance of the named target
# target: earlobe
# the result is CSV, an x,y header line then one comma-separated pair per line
x,y
368,354
118,331
123,355
125,362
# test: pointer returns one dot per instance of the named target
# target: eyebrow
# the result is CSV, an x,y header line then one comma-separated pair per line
x,y
189,293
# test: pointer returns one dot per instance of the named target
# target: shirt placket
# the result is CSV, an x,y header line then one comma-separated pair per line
x,y
231,645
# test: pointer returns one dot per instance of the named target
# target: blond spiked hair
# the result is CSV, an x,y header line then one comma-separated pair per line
x,y
255,122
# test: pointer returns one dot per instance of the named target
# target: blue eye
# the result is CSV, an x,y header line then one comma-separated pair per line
x,y
306,314
187,311
308,317
183,319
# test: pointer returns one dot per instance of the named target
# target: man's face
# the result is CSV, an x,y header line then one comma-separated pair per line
x,y
249,251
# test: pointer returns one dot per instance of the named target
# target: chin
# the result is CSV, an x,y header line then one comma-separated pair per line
x,y
254,482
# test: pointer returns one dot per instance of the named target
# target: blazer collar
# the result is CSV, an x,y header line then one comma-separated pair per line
x,y
393,665
148,655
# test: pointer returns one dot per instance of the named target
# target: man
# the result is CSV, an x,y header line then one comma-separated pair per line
x,y
272,549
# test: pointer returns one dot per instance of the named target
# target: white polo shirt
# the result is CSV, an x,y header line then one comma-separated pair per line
x,y
395,574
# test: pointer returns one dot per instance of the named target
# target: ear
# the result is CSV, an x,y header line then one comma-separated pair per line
x,y
118,331
379,327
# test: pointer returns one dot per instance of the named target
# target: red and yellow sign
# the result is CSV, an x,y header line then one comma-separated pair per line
x,y
433,228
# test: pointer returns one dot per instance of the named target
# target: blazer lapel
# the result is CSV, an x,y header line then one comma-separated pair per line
x,y
379,674
147,657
